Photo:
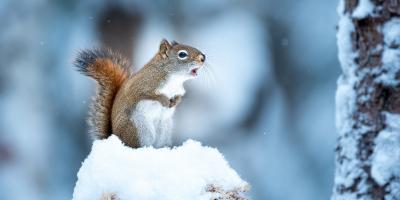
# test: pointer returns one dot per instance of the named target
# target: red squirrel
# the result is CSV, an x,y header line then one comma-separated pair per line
x,y
138,108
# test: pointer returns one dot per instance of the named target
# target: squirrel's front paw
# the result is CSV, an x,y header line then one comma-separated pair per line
x,y
174,101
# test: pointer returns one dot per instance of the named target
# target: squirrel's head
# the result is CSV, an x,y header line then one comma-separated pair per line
x,y
181,59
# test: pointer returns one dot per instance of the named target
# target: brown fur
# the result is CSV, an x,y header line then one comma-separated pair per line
x,y
110,71
119,92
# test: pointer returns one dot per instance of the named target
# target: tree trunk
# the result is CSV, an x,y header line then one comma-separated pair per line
x,y
118,28
368,101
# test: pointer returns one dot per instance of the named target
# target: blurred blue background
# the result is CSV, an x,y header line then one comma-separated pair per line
x,y
267,103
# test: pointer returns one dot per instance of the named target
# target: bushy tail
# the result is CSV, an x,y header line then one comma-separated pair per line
x,y
110,71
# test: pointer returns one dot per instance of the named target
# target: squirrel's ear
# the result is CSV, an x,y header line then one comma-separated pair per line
x,y
173,43
164,47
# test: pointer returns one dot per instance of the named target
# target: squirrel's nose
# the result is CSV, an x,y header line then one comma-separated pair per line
x,y
202,57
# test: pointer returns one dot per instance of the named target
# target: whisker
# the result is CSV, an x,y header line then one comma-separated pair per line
x,y
205,78
209,81
211,73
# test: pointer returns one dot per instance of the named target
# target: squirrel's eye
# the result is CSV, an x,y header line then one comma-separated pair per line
x,y
182,54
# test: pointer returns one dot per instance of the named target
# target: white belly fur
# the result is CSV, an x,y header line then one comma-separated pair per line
x,y
153,123
173,86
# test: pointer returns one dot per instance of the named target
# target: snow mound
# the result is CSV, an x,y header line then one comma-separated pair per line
x,y
190,171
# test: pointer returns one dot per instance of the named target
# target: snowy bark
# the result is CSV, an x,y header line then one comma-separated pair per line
x,y
368,101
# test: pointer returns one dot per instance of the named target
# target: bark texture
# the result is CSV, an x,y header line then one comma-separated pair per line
x,y
368,101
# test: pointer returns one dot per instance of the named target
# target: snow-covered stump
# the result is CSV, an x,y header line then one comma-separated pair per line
x,y
368,101
191,171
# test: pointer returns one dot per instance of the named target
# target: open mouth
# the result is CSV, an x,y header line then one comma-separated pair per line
x,y
194,71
